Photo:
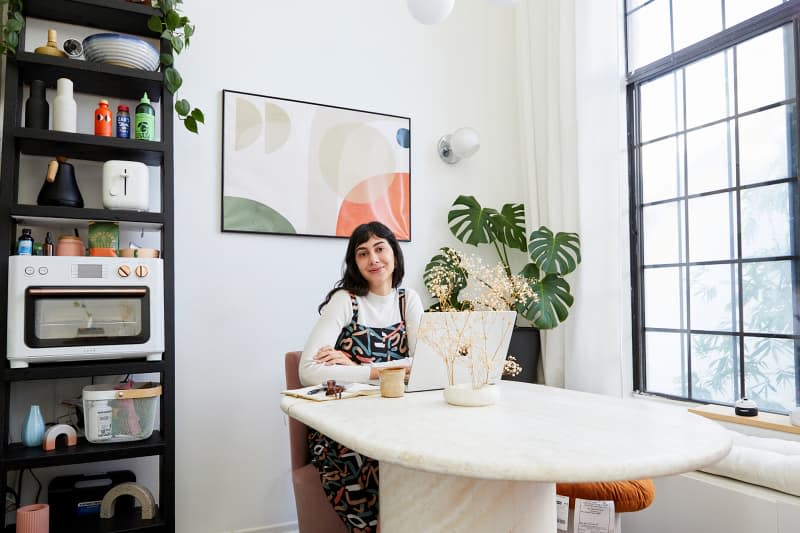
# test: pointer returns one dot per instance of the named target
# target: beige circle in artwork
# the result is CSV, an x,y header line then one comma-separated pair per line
x,y
277,127
248,124
350,153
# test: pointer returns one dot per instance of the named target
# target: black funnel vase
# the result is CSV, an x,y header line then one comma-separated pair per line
x,y
63,190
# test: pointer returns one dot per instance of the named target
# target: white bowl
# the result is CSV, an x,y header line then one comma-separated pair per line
x,y
122,50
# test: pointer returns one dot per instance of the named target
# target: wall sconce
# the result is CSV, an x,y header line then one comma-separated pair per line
x,y
460,144
430,11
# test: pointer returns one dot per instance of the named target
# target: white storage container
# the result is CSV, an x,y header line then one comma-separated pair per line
x,y
120,415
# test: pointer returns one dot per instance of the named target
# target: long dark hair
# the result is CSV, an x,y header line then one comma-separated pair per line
x,y
352,280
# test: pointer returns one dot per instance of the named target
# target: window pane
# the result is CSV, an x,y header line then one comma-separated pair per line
x,y
738,10
769,363
765,221
713,303
662,233
765,69
648,34
663,289
712,228
662,169
694,20
764,145
767,294
666,363
708,96
708,158
662,111
714,368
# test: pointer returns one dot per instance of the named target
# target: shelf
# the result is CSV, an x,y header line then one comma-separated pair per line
x,y
123,521
49,143
113,15
20,456
93,78
81,369
66,216
763,420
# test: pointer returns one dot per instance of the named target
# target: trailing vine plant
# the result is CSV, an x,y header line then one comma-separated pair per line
x,y
175,28
11,26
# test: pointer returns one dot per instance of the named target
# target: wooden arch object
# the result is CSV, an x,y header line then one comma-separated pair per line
x,y
53,432
139,492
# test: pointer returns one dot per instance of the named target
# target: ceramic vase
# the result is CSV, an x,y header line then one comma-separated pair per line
x,y
464,395
33,427
33,518
65,110
37,111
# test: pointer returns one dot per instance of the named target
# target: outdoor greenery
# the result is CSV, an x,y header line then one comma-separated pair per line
x,y
552,256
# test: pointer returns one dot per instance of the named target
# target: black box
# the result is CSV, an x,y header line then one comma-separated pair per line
x,y
74,497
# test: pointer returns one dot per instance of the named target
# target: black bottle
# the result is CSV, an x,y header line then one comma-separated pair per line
x,y
37,111
48,248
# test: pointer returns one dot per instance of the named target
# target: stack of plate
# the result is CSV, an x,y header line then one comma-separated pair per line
x,y
121,50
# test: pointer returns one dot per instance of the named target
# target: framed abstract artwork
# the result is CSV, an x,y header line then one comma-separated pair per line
x,y
301,168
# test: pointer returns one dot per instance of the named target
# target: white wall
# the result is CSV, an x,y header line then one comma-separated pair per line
x,y
243,300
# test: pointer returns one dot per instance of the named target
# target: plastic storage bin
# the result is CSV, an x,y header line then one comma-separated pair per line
x,y
115,414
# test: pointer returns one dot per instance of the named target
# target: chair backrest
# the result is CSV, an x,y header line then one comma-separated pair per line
x,y
298,432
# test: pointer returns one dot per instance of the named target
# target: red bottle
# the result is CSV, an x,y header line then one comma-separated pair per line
x,y
102,120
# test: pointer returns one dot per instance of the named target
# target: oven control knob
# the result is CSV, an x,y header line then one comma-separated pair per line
x,y
142,271
124,271
29,270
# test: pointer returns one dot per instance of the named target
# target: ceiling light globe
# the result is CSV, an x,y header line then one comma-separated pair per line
x,y
465,142
430,11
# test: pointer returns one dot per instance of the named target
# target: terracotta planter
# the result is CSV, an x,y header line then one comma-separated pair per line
x,y
33,518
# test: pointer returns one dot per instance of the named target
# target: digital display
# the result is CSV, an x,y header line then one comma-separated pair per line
x,y
90,271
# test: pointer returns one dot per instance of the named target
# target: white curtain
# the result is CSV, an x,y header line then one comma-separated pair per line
x,y
546,56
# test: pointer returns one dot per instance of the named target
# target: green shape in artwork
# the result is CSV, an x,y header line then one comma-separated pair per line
x,y
243,214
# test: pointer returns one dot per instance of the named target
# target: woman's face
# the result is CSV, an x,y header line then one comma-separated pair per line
x,y
375,261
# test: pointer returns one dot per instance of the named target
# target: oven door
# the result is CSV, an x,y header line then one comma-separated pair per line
x,y
86,316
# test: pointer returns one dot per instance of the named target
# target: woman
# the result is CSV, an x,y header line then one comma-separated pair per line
x,y
366,318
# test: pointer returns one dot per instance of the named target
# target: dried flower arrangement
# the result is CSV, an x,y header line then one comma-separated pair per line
x,y
478,287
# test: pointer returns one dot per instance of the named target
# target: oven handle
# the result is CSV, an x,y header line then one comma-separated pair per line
x,y
86,292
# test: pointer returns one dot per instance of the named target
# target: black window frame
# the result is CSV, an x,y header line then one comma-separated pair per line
x,y
781,15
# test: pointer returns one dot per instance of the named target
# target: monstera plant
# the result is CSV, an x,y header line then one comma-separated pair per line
x,y
552,256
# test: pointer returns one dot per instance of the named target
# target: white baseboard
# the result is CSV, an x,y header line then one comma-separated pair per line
x,y
287,527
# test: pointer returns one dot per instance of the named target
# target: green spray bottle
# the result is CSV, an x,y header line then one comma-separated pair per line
x,y
145,120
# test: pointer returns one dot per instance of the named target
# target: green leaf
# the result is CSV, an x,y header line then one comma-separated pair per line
x,y
557,254
167,6
172,79
172,20
188,30
184,21
198,115
177,43
166,59
14,25
12,40
552,304
154,24
443,262
508,226
166,34
182,107
190,124
469,222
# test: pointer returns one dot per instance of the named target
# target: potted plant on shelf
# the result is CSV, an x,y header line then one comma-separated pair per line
x,y
551,256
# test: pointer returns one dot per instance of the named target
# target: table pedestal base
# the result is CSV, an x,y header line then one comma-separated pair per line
x,y
412,500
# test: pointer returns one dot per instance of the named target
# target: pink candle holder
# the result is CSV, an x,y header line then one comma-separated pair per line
x,y
33,518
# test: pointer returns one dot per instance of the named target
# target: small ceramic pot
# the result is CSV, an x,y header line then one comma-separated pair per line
x,y
69,245
33,518
464,395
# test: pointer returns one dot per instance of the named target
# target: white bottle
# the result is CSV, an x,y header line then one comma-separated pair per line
x,y
65,111
98,421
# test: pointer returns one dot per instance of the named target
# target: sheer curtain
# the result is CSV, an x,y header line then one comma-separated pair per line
x,y
546,57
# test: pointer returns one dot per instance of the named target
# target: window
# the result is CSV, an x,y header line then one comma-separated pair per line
x,y
712,105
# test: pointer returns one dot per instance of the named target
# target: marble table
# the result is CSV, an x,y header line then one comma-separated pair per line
x,y
476,469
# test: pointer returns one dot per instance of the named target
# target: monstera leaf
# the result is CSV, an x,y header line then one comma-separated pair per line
x,y
469,222
509,226
555,254
446,263
551,307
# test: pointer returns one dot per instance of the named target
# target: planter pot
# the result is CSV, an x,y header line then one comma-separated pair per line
x,y
464,395
33,518
525,346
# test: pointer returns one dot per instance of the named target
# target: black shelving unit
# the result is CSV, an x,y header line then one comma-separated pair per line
x,y
103,81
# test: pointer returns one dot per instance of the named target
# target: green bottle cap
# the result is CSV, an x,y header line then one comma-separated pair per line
x,y
145,99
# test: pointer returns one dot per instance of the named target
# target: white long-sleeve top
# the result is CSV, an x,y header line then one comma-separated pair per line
x,y
373,311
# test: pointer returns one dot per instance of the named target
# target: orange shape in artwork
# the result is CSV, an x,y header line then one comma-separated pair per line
x,y
392,208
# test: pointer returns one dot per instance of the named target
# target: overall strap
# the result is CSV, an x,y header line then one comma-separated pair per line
x,y
402,301
354,302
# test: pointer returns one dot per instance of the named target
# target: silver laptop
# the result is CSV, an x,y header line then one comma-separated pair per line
x,y
482,331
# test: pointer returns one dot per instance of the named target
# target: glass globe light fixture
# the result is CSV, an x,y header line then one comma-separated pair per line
x,y
460,144
430,11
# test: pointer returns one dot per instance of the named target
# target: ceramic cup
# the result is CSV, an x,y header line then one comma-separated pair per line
x,y
393,382
68,245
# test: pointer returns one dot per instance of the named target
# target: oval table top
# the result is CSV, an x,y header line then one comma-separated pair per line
x,y
533,433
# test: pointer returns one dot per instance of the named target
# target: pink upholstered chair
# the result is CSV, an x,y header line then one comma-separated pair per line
x,y
314,512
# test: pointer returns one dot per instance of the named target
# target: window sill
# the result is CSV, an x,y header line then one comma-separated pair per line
x,y
770,421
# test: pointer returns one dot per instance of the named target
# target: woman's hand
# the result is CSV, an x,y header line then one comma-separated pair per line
x,y
328,356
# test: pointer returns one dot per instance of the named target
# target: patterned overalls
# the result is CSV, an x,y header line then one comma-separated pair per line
x,y
349,479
